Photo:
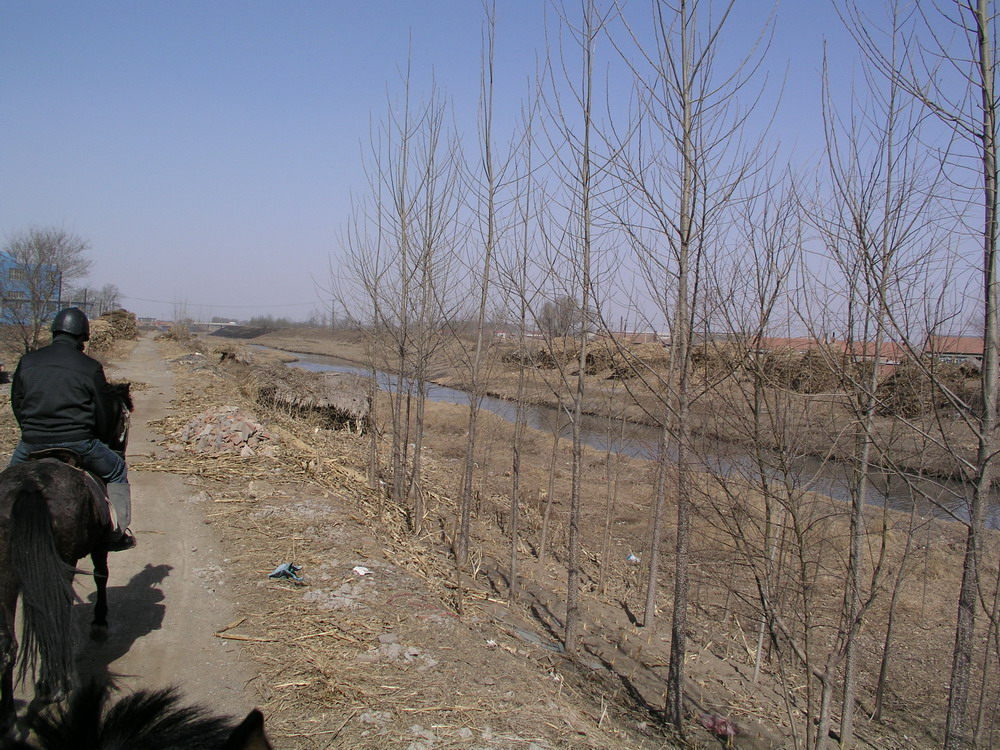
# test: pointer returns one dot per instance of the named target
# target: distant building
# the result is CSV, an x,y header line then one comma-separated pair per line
x,y
885,355
956,350
795,345
636,337
27,292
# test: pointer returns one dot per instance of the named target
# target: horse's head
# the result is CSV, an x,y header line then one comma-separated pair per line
x,y
123,393
118,439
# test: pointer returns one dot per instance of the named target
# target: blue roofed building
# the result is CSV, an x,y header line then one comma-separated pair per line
x,y
28,292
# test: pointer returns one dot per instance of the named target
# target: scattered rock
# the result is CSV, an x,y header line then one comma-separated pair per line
x,y
380,718
260,488
226,429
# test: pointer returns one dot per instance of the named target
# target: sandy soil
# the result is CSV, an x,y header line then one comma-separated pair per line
x,y
166,597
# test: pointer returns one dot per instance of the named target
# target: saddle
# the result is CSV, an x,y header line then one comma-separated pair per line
x,y
96,485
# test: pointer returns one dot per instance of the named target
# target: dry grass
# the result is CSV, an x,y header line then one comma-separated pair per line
x,y
723,617
327,678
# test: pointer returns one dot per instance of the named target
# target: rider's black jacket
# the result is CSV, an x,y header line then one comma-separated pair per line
x,y
60,395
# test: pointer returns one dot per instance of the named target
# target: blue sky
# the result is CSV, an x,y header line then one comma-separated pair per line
x,y
208,150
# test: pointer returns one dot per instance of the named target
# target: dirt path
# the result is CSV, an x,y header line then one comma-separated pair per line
x,y
165,600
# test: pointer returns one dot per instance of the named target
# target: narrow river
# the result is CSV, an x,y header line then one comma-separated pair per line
x,y
935,498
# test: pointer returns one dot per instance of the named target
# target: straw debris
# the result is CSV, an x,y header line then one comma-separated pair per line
x,y
117,325
338,400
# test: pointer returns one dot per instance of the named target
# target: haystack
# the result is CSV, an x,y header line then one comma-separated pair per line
x,y
717,359
635,359
117,325
810,372
915,390
557,353
602,355
339,399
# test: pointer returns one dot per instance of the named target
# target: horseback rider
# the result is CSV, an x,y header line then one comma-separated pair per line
x,y
61,399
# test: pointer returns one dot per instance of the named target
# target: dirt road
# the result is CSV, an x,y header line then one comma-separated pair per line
x,y
165,600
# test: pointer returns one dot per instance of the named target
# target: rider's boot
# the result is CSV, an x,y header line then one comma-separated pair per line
x,y
121,538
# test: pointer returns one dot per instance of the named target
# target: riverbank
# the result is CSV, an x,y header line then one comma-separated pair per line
x,y
813,425
728,545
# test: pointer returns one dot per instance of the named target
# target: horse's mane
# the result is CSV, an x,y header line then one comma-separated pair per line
x,y
148,719
46,607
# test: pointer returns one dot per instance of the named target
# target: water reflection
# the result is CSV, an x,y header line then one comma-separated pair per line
x,y
934,498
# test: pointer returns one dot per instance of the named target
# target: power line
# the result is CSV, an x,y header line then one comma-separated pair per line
x,y
185,303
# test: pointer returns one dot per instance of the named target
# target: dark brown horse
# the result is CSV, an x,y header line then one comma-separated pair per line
x,y
51,515
148,719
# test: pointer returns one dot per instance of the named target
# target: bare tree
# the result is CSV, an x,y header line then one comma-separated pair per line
x,y
490,184
514,278
875,223
575,152
108,298
399,244
96,302
682,157
45,262
561,317
948,65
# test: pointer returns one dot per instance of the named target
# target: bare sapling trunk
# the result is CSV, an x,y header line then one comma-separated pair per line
x,y
612,469
543,544
680,165
590,30
519,278
888,641
981,28
490,187
656,528
575,148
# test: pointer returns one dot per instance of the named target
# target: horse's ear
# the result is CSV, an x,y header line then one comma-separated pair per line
x,y
249,735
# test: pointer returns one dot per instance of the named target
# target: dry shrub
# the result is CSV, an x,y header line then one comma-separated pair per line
x,y
811,372
718,358
917,389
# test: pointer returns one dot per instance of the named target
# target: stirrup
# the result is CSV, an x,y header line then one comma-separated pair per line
x,y
124,540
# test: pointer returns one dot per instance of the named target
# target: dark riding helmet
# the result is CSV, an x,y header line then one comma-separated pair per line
x,y
73,321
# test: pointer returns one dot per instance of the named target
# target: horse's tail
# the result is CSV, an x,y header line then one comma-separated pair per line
x,y
46,584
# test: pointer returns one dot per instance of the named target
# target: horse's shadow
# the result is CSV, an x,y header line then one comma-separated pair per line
x,y
135,609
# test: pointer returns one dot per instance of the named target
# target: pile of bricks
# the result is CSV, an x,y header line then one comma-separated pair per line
x,y
227,430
